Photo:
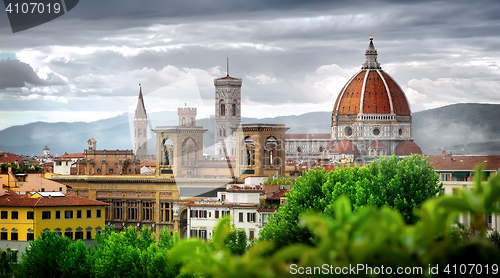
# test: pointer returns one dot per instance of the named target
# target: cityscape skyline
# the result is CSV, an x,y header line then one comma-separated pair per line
x,y
293,57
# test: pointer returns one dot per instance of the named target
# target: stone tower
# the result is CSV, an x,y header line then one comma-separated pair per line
x,y
187,116
92,144
227,114
140,129
46,151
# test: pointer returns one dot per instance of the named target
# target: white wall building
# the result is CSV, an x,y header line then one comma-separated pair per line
x,y
239,202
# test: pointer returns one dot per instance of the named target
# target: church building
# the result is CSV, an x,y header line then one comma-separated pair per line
x,y
371,117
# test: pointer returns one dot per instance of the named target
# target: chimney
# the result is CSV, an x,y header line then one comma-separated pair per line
x,y
443,152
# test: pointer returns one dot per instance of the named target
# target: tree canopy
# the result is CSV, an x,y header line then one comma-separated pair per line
x,y
402,185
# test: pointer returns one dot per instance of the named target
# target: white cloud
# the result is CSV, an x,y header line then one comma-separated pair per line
x,y
263,79
56,99
31,96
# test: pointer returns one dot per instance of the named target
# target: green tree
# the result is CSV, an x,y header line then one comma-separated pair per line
x,y
8,260
277,180
44,256
495,238
402,185
236,241
76,261
133,253
369,237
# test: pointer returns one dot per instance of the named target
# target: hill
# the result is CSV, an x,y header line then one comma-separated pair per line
x,y
466,128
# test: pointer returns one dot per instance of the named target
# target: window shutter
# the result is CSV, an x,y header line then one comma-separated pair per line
x,y
191,213
216,214
197,214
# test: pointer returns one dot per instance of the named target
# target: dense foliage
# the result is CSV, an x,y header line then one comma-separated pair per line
x,y
236,241
130,253
281,180
16,169
402,185
8,260
369,237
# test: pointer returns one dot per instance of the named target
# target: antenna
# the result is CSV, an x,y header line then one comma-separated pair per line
x,y
227,66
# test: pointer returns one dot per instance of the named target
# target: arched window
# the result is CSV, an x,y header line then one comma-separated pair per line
x,y
222,109
234,109
191,122
140,133
183,121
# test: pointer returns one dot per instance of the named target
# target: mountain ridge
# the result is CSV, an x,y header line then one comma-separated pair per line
x,y
472,127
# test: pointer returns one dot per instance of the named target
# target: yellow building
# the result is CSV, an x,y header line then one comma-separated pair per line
x,y
23,217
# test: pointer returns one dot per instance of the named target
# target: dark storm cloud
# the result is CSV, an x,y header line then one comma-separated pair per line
x,y
285,51
15,74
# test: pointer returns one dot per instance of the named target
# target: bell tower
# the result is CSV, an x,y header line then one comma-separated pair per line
x,y
140,128
227,114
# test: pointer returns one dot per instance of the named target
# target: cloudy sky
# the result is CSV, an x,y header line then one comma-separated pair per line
x,y
293,56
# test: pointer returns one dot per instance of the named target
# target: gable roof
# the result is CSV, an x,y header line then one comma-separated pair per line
x,y
16,200
464,162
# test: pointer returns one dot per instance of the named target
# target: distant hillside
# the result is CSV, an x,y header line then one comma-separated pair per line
x,y
457,124
462,128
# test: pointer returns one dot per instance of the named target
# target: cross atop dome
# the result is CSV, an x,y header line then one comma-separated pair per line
x,y
371,57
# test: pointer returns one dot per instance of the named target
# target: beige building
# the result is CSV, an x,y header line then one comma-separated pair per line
x,y
107,162
457,173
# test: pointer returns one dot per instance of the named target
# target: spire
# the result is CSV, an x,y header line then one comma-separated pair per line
x,y
371,57
140,111
227,66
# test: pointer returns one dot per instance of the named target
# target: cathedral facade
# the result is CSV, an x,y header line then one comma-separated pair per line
x,y
371,118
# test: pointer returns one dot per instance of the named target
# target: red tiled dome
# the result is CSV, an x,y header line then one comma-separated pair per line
x,y
344,147
377,145
371,91
407,148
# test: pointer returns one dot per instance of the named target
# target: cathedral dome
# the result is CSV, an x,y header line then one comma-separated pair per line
x,y
344,147
408,148
371,91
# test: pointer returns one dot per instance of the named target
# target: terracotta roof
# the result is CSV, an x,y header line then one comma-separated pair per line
x,y
407,148
73,155
377,91
245,190
464,162
15,200
9,158
148,163
62,159
279,194
227,77
267,209
193,204
344,147
377,145
308,136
